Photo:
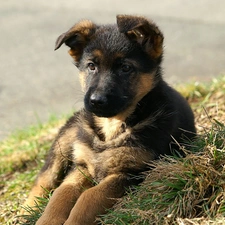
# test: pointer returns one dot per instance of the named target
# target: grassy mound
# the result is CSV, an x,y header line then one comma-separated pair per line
x,y
176,191
180,191
188,190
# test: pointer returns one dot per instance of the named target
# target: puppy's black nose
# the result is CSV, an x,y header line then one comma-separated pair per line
x,y
98,100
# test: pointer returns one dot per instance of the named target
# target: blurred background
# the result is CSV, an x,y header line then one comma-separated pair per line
x,y
36,82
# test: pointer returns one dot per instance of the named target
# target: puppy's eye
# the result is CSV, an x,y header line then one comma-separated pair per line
x,y
91,66
126,68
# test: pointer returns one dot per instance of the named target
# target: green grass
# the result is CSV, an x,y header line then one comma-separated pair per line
x,y
22,147
176,191
35,212
21,157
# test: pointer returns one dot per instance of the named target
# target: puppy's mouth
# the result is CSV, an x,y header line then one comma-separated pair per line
x,y
103,113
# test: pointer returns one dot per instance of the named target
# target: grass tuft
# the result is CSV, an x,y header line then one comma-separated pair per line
x,y
33,213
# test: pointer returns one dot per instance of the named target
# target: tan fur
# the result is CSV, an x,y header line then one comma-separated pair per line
x,y
145,84
63,148
83,155
44,180
157,43
58,209
75,54
83,31
102,163
37,191
98,54
110,126
141,29
102,196
82,77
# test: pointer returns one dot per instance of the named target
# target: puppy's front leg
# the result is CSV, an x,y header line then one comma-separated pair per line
x,y
57,164
64,198
96,200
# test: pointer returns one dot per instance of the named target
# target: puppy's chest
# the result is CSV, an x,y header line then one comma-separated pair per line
x,y
85,156
101,157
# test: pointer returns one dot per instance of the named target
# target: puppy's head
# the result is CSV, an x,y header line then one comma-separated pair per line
x,y
118,63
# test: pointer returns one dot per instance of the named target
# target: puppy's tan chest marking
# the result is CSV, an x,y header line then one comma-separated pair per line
x,y
95,162
97,156
110,127
112,160
84,156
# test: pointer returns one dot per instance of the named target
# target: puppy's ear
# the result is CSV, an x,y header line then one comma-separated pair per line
x,y
77,38
143,31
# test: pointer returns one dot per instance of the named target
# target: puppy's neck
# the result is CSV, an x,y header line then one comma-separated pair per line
x,y
112,127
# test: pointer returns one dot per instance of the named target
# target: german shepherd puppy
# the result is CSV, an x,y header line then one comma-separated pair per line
x,y
130,117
